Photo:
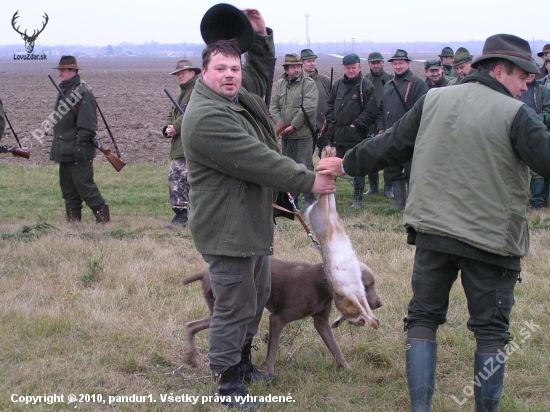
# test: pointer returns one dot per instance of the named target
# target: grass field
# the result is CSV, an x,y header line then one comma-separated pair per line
x,y
98,311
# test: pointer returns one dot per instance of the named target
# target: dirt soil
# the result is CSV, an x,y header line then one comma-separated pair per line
x,y
129,92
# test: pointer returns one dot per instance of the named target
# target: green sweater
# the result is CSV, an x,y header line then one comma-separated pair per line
x,y
233,164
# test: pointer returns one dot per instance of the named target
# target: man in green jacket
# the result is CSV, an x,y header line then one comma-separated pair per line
x,y
74,131
434,74
447,55
398,96
233,168
309,60
352,108
462,64
178,187
479,229
293,91
378,77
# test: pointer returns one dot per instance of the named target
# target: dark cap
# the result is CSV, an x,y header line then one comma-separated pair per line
x,y
509,47
307,54
351,59
292,58
67,62
545,49
400,54
375,57
447,52
462,55
224,22
185,65
433,64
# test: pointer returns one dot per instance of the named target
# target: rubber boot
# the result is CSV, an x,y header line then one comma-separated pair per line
x,y
358,195
373,185
489,373
102,214
399,195
388,190
73,215
421,356
250,372
180,218
231,389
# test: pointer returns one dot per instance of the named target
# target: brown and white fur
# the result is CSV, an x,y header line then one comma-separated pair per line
x,y
342,268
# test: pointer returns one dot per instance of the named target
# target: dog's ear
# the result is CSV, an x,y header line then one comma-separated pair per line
x,y
367,276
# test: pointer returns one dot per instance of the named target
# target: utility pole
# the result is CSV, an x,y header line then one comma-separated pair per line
x,y
344,47
307,16
353,45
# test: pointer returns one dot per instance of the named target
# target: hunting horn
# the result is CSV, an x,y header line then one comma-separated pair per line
x,y
223,22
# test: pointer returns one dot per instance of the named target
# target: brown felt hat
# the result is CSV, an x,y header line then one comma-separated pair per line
x,y
545,49
400,54
292,58
185,65
509,47
67,62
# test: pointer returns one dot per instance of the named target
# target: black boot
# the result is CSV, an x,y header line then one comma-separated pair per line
x,y
388,190
545,190
250,372
180,219
102,214
421,355
358,195
231,389
399,195
373,183
73,215
489,373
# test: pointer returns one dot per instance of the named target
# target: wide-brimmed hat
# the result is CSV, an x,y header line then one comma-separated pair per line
x,y
400,54
447,52
462,55
307,54
67,62
185,65
545,49
375,57
224,22
351,58
509,47
433,64
292,58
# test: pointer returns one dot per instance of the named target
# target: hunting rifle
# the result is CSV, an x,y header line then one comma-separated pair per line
x,y
174,102
16,151
314,135
117,163
269,85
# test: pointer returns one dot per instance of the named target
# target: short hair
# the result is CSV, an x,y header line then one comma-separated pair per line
x,y
489,65
227,48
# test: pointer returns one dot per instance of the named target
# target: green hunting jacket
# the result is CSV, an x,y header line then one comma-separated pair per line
x,y
346,108
285,104
449,72
323,89
233,166
70,130
457,79
485,219
175,118
378,80
258,61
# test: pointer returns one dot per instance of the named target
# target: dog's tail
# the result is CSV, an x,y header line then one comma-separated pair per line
x,y
193,278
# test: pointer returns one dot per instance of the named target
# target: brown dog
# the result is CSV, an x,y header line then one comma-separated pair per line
x,y
298,290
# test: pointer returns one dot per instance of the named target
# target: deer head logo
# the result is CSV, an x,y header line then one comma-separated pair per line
x,y
29,40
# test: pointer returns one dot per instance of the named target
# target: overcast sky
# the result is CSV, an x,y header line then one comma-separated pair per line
x,y
102,22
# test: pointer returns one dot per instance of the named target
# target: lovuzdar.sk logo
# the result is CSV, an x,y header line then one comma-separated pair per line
x,y
29,39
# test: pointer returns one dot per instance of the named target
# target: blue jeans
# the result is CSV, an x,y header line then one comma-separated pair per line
x,y
536,186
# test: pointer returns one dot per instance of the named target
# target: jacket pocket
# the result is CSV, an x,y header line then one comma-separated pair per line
x,y
354,135
67,144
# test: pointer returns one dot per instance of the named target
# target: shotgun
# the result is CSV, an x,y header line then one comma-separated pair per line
x,y
16,151
174,102
314,135
115,161
269,85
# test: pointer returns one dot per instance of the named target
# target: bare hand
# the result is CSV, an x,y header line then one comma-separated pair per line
x,y
170,131
323,185
288,130
257,22
329,166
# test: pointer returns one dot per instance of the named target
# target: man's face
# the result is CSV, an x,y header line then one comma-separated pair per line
x,y
293,71
531,78
447,61
547,64
184,76
223,75
463,69
434,75
400,66
309,65
66,74
516,83
375,67
352,70
544,56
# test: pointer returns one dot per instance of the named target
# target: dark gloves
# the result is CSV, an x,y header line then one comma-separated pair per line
x,y
80,154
